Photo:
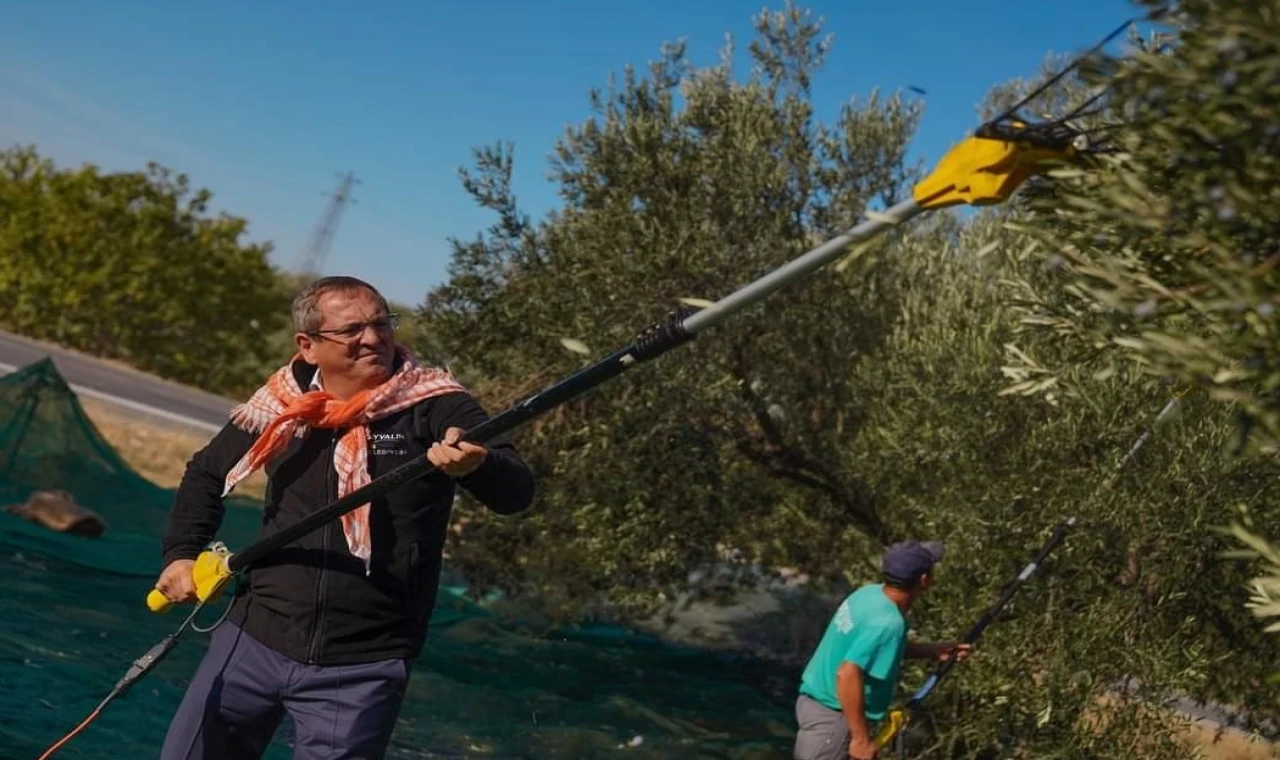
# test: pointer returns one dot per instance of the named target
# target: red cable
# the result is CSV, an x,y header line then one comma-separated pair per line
x,y
48,753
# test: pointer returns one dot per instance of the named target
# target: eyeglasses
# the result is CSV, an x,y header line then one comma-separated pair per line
x,y
355,329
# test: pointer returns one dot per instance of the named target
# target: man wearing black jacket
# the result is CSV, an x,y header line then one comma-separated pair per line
x,y
326,628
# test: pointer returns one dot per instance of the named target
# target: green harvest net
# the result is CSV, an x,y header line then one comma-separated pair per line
x,y
73,618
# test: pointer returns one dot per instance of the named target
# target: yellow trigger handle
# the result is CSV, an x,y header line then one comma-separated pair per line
x,y
890,728
209,573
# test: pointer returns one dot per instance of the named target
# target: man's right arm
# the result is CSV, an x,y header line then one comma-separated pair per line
x,y
849,690
869,655
197,507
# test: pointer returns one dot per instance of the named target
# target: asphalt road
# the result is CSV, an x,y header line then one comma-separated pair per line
x,y
144,394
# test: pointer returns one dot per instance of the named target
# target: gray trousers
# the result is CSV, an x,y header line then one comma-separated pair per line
x,y
242,689
823,733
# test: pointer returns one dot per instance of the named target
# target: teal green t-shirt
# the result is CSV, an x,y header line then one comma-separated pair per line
x,y
868,630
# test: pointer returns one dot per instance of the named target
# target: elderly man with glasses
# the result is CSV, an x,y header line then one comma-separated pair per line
x,y
327,628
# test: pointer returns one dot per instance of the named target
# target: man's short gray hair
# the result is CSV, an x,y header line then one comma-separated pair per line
x,y
306,305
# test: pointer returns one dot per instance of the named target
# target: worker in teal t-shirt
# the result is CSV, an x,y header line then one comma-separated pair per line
x,y
852,676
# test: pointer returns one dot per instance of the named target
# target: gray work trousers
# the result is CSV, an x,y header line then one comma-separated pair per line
x,y
823,733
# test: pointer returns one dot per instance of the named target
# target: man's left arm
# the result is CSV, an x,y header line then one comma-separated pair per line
x,y
937,650
502,481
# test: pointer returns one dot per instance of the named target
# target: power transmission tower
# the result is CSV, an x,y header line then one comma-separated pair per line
x,y
317,248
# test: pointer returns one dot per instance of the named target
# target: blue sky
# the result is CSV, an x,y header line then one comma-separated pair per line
x,y
267,102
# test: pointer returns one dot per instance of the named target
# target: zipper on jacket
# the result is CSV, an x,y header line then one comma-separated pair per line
x,y
313,652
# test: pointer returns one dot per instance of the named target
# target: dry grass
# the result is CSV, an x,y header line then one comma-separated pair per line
x,y
1231,745
158,452
1213,743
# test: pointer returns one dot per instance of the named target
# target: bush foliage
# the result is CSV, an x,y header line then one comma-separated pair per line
x,y
130,266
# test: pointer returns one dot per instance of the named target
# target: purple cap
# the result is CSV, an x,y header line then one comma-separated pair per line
x,y
906,561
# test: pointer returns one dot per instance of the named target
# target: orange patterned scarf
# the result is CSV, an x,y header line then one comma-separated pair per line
x,y
280,410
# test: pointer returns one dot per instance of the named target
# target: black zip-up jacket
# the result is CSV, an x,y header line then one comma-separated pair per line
x,y
311,600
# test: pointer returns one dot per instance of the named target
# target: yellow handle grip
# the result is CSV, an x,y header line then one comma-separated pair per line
x,y
890,728
208,573
158,602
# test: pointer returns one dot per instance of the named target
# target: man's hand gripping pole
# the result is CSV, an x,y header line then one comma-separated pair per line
x,y
210,573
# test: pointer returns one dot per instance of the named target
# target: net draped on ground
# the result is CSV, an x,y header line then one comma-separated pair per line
x,y
72,619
